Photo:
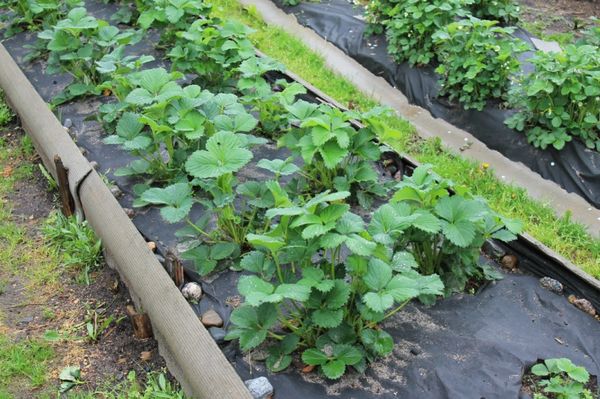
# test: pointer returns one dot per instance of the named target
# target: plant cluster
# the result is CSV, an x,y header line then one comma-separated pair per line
x,y
561,99
477,60
34,15
410,26
505,11
212,50
318,278
76,44
169,16
561,379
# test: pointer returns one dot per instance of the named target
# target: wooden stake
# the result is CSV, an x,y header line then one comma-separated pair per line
x,y
175,269
62,177
142,328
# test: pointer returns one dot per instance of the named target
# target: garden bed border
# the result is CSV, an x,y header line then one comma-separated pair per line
x,y
191,353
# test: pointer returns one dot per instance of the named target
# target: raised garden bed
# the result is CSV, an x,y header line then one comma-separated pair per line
x,y
342,23
489,336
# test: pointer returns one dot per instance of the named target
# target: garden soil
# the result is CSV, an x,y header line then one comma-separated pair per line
x,y
467,346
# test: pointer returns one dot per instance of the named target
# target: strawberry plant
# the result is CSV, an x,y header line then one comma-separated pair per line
x,y
335,154
443,232
321,301
477,60
33,15
505,11
411,24
170,16
269,102
212,50
561,379
561,99
75,44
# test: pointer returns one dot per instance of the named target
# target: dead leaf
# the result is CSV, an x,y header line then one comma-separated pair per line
x,y
145,356
308,369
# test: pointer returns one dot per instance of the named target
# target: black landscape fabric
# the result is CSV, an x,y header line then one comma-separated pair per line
x,y
575,168
467,346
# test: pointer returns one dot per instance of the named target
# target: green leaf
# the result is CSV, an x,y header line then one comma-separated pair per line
x,y
176,197
261,240
295,292
334,369
461,233
279,166
332,154
250,284
224,154
359,245
403,261
540,370
579,374
222,250
378,274
347,354
378,302
377,341
338,296
278,361
314,357
327,318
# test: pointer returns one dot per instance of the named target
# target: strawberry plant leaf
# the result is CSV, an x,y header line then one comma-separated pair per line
x,y
314,357
327,318
334,369
223,154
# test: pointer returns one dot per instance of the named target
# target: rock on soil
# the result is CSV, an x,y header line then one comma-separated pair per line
x,y
583,305
210,318
260,388
192,292
552,285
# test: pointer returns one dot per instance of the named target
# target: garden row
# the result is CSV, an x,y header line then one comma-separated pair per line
x,y
477,58
293,232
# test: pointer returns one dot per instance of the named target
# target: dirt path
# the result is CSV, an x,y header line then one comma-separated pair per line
x,y
44,313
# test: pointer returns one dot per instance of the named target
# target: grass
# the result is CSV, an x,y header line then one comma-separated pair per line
x,y
564,236
25,364
76,242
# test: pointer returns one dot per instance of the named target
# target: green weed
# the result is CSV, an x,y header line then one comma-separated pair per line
x,y
77,243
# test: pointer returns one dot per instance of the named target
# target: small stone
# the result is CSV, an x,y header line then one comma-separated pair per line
x,y
129,212
192,292
151,246
583,305
68,123
116,191
552,285
218,334
509,262
415,351
94,165
260,388
210,318
26,320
